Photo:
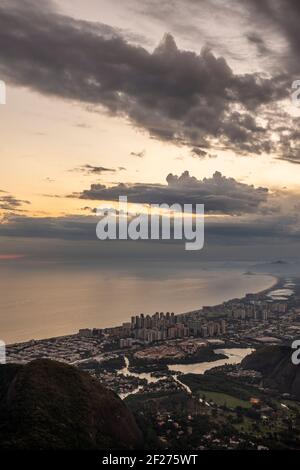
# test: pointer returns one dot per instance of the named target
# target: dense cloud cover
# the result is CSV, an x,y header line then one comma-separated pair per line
x,y
266,231
176,95
219,194
180,96
284,16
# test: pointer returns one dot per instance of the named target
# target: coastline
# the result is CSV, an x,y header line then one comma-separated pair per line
x,y
277,280
276,283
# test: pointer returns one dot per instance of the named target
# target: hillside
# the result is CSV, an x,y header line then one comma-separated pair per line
x,y
275,364
49,405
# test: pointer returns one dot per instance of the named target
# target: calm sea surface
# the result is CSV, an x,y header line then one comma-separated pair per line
x,y
40,303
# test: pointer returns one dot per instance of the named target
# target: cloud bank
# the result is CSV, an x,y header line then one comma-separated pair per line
x,y
176,95
219,194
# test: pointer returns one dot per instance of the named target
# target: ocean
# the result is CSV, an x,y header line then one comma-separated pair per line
x,y
47,301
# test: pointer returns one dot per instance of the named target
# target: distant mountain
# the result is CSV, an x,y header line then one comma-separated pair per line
x,y
49,405
276,367
277,267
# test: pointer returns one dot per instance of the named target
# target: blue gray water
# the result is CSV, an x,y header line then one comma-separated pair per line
x,y
50,301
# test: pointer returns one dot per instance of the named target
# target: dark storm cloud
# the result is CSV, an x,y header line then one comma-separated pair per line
x,y
278,16
233,231
218,193
273,228
284,16
192,20
176,95
285,13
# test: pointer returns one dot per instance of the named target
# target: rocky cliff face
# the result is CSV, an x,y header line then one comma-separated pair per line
x,y
49,405
275,364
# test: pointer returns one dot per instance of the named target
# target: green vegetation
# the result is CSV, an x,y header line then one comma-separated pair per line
x,y
223,399
181,421
205,354
211,382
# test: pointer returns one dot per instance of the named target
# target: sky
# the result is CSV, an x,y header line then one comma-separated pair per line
x,y
163,101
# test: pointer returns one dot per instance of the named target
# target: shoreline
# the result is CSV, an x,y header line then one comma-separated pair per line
x,y
277,281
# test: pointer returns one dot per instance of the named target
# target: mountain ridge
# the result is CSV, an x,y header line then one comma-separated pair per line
x,y
50,405
275,365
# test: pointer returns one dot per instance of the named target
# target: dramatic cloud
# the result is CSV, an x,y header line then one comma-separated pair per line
x,y
214,20
271,230
176,95
284,15
288,145
11,203
223,84
219,194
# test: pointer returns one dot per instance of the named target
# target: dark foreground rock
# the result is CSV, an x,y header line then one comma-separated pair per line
x,y
49,405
